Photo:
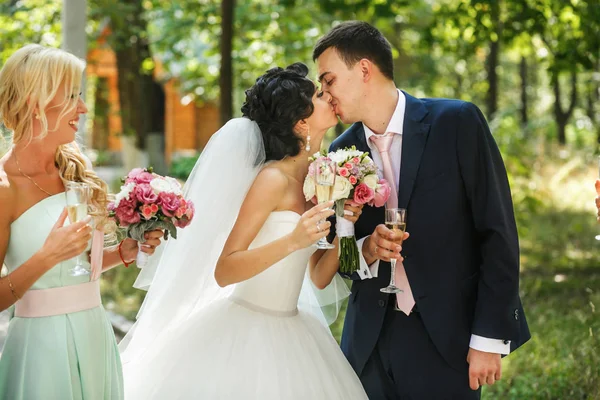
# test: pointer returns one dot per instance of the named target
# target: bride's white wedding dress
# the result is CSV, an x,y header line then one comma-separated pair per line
x,y
254,344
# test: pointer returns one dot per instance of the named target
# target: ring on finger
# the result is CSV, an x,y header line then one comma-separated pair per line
x,y
319,226
376,247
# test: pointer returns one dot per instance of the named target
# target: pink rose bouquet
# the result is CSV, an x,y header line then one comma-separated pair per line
x,y
357,180
148,201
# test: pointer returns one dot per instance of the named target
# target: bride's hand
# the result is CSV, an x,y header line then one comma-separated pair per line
x,y
312,226
352,211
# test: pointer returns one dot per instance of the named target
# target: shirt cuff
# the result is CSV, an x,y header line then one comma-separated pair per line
x,y
488,345
366,271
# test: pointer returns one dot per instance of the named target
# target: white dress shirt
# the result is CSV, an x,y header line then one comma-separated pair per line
x,y
366,271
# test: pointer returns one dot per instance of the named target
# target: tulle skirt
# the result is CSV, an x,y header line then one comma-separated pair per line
x,y
231,351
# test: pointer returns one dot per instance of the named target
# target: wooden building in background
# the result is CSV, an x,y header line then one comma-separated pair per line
x,y
188,126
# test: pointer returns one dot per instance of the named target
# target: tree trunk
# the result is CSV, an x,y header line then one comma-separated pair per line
x,y
141,98
593,100
492,60
562,117
226,74
524,103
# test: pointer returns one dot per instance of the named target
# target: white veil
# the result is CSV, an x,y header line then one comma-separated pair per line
x,y
180,280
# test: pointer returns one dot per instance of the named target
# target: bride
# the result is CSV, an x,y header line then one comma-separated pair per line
x,y
230,313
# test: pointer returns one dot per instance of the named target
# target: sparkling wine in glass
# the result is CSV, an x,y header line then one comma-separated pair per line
x,y
395,220
77,195
325,178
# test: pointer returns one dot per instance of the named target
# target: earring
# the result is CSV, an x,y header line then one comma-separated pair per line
x,y
37,116
307,148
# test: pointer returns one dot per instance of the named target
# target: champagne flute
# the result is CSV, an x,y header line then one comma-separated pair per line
x,y
395,220
77,194
325,178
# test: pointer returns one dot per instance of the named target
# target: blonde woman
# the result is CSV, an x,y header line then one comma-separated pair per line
x,y
60,344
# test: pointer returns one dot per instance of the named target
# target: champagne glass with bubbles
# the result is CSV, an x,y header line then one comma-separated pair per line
x,y
325,179
395,220
77,195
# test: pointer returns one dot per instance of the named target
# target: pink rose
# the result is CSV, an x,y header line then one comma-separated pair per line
x,y
144,193
312,169
149,211
348,165
191,210
132,175
182,210
185,219
144,177
382,194
183,222
126,213
356,160
139,175
363,194
169,202
353,180
344,172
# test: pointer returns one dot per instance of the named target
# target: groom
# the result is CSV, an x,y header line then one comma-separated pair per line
x,y
460,311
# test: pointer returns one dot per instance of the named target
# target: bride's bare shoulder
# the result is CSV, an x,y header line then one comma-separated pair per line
x,y
272,177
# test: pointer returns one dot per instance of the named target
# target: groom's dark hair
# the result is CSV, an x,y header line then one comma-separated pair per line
x,y
355,40
277,101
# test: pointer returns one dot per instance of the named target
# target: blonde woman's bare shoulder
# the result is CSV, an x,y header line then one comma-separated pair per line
x,y
8,195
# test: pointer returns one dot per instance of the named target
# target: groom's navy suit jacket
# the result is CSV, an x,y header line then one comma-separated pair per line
x,y
462,257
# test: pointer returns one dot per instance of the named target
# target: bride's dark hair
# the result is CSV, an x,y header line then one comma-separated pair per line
x,y
277,101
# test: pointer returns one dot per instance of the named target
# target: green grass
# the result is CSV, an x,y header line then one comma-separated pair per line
x,y
560,286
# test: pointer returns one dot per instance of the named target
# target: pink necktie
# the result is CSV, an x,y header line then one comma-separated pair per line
x,y
383,143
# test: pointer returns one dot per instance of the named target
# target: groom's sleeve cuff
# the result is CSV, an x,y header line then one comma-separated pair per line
x,y
488,345
366,271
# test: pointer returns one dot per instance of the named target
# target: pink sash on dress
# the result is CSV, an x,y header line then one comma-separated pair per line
x,y
66,299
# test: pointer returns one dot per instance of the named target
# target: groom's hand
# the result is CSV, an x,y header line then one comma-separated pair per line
x,y
484,368
383,245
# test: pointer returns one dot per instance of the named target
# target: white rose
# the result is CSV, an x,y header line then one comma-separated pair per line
x,y
371,181
309,188
341,188
339,156
124,193
175,186
160,185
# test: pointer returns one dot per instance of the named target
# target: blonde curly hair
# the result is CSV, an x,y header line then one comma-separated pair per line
x,y
29,81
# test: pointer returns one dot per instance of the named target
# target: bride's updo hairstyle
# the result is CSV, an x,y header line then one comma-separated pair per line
x,y
277,101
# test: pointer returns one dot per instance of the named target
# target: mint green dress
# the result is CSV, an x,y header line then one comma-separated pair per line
x,y
63,357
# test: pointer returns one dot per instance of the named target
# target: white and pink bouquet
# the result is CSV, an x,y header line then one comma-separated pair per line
x,y
356,180
148,201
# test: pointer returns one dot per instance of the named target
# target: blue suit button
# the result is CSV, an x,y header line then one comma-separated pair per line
x,y
381,303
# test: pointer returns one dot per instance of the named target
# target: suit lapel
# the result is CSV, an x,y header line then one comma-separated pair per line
x,y
359,137
414,138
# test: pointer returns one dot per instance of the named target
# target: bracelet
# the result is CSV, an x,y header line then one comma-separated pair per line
x,y
12,288
127,264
